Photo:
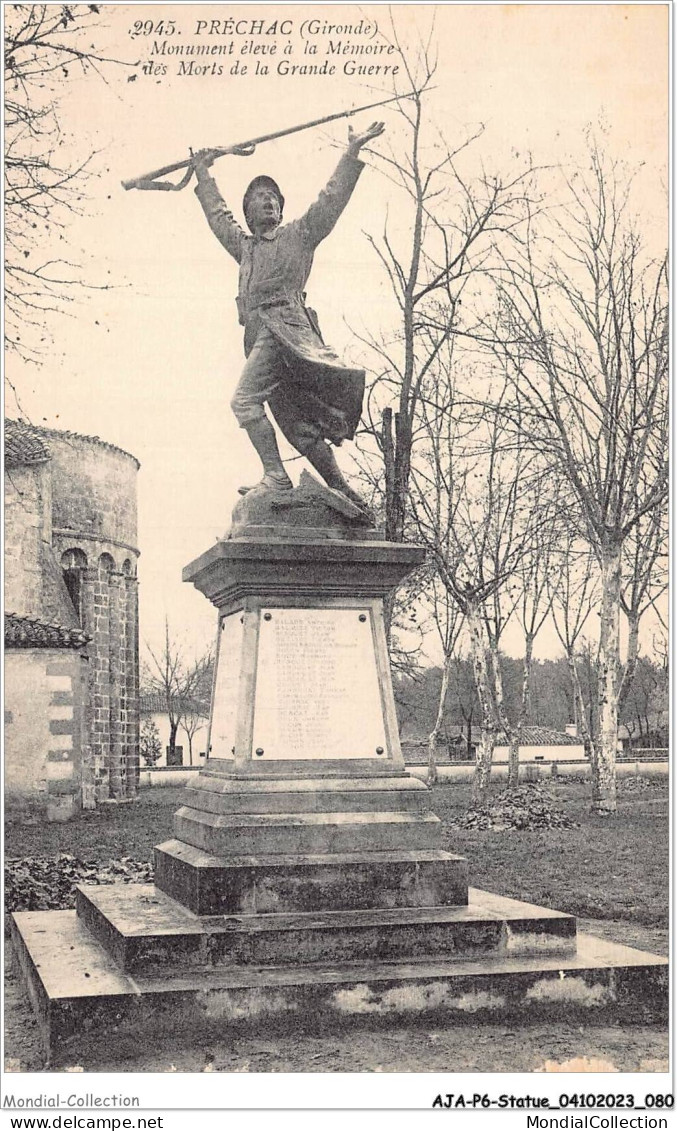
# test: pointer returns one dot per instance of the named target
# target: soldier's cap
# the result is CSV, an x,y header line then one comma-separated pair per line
x,y
261,182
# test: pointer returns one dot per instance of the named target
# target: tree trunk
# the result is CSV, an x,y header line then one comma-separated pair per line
x,y
604,771
485,750
403,441
396,447
588,744
516,736
513,759
388,446
173,728
510,733
631,662
434,734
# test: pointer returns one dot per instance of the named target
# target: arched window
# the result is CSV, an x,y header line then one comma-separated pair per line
x,y
106,563
73,565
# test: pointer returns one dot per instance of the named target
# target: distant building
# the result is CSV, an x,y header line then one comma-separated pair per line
x,y
538,744
71,621
190,748
541,744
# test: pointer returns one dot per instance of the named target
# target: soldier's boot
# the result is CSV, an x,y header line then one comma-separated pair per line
x,y
324,461
275,478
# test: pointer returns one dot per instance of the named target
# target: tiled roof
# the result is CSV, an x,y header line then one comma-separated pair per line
x,y
27,632
534,736
23,444
154,703
544,736
63,435
531,736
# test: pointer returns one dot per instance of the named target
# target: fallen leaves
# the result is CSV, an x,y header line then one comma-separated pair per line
x,y
639,783
39,884
524,807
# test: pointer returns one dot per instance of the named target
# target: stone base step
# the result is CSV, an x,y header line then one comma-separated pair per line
x,y
143,930
261,883
84,1002
238,834
220,794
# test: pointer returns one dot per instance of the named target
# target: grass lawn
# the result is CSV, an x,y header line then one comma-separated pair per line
x,y
608,868
111,831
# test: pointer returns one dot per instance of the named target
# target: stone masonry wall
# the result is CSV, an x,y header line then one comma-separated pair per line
x,y
45,730
27,529
94,521
93,489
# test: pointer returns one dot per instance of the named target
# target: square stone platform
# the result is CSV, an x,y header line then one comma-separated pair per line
x,y
131,962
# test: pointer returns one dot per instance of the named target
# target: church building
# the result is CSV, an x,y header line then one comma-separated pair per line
x,y
71,622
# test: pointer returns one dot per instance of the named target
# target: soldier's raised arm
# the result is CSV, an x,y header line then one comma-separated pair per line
x,y
219,217
323,214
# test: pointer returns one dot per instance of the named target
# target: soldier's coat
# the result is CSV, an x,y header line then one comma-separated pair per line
x,y
319,396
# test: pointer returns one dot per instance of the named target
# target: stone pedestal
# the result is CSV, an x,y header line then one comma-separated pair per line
x,y
304,798
305,883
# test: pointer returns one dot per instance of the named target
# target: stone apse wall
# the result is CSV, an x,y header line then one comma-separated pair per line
x,y
94,537
27,530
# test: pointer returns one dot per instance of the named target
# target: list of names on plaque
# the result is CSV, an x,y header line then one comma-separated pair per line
x,y
317,691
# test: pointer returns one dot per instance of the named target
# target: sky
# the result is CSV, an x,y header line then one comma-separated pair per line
x,y
151,363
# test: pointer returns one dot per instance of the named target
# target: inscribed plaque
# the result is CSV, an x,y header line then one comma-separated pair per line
x,y
317,686
226,687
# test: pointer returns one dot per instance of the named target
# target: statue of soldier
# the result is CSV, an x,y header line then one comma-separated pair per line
x,y
315,399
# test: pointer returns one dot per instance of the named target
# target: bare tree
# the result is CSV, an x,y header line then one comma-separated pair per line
x,y
574,593
177,681
453,221
448,623
661,648
645,580
195,702
583,329
523,597
472,504
193,719
46,176
645,709
465,698
534,603
405,629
